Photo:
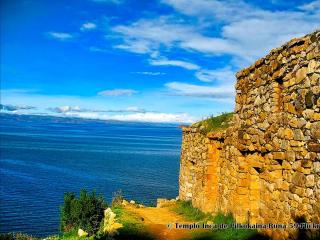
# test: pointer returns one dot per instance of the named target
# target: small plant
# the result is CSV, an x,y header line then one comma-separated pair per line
x,y
16,236
110,224
85,212
117,198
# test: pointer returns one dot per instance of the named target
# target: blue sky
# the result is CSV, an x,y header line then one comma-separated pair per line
x,y
147,60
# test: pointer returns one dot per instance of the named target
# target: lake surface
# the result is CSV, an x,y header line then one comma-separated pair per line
x,y
43,157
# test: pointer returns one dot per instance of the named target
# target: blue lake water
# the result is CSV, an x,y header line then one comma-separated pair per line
x,y
43,157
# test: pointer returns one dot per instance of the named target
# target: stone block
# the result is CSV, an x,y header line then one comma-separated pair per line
x,y
299,179
316,167
298,135
310,181
301,74
279,155
314,147
288,134
242,190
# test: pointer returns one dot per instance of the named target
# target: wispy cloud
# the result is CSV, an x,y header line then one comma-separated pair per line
x,y
134,114
64,109
78,109
227,10
312,6
135,109
150,73
91,108
235,20
62,36
12,108
185,89
97,49
148,35
109,1
88,26
137,117
221,76
177,63
117,92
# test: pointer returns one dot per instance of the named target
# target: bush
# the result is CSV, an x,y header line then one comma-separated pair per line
x,y
117,198
85,212
16,236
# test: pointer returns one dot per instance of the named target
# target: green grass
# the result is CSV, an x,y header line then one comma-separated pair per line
x,y
190,213
214,123
133,227
228,234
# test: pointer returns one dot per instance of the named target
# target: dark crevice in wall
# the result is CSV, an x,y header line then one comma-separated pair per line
x,y
279,80
248,152
258,169
264,153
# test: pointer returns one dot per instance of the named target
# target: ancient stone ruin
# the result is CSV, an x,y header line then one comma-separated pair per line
x,y
265,167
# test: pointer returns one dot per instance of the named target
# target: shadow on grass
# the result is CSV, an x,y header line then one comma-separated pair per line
x,y
306,234
234,235
134,236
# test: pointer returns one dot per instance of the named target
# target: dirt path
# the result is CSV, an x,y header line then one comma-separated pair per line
x,y
157,220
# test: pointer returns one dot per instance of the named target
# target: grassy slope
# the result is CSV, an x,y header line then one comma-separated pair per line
x,y
193,214
215,123
133,226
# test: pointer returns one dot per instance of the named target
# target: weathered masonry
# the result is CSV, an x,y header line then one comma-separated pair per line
x,y
264,168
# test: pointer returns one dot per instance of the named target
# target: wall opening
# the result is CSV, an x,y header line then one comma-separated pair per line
x,y
278,90
258,169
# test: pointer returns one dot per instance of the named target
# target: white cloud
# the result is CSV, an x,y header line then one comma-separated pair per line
x,y
177,63
221,10
151,73
14,108
117,92
135,109
136,114
185,89
222,76
72,109
148,35
246,32
312,6
64,109
88,26
137,117
140,46
60,35
92,107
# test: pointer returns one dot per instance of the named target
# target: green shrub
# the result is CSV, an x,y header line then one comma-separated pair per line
x,y
85,212
117,198
16,236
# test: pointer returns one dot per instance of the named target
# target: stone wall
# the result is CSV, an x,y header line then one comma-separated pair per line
x,y
264,168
